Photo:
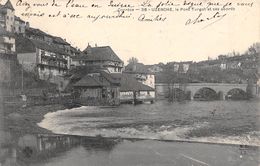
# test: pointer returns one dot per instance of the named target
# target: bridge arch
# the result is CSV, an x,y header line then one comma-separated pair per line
x,y
206,94
237,94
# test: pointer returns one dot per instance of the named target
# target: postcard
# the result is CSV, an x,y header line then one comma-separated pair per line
x,y
129,82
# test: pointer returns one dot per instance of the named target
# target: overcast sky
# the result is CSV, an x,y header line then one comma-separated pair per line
x,y
154,42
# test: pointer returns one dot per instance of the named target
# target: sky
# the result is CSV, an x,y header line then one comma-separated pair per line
x,y
152,42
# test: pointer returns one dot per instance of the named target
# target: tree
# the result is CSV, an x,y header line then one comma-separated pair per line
x,y
132,60
254,49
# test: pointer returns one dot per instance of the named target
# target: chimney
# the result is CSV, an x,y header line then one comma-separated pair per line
x,y
27,25
88,49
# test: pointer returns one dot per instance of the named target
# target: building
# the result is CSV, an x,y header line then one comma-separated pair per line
x,y
178,67
140,72
20,25
98,87
134,91
7,16
7,41
154,68
37,34
99,56
43,59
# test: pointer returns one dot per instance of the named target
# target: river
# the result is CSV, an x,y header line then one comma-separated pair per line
x,y
230,122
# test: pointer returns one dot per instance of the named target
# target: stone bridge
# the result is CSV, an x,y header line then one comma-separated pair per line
x,y
219,88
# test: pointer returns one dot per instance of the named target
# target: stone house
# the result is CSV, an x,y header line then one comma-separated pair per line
x,y
98,87
43,59
7,16
99,56
140,72
133,91
7,41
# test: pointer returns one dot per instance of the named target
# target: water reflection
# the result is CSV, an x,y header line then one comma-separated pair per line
x,y
42,149
32,148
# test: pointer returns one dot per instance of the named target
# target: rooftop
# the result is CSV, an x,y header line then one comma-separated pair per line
x,y
7,5
94,81
126,81
104,53
129,83
137,68
89,81
18,19
24,45
59,40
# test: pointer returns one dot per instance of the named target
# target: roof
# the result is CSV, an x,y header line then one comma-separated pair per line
x,y
129,83
98,54
59,40
89,81
36,32
126,81
23,42
46,46
4,32
75,49
136,68
56,39
7,5
110,77
18,19
80,71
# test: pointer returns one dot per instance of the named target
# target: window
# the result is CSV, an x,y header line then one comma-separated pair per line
x,y
9,47
61,84
42,68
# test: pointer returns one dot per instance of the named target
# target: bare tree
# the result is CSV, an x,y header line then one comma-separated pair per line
x,y
132,60
254,49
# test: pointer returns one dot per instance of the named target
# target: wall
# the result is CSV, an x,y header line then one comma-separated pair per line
x,y
112,67
5,75
91,93
114,70
150,80
4,42
9,20
19,27
145,95
142,95
3,48
11,41
28,60
126,96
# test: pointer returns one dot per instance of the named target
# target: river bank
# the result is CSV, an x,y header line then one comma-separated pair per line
x,y
24,120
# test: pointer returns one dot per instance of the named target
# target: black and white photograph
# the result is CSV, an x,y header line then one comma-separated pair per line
x,y
129,83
